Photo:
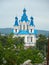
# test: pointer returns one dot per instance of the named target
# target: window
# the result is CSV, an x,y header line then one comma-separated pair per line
x,y
20,27
31,39
31,30
27,39
27,27
16,30
23,27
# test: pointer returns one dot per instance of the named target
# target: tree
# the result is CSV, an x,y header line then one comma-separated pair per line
x,y
12,51
10,56
42,44
32,54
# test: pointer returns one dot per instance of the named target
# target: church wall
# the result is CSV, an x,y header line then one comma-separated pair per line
x,y
16,27
31,27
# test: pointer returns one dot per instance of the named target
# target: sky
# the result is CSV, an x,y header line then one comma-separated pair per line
x,y
39,9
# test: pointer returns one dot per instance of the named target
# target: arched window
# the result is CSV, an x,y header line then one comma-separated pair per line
x,y
20,27
31,39
27,39
27,27
31,30
23,27
15,30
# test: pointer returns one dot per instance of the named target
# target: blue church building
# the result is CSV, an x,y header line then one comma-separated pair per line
x,y
25,28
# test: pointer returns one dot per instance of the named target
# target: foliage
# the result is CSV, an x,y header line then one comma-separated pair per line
x,y
42,44
12,51
32,54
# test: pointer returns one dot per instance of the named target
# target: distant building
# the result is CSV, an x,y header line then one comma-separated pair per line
x,y
25,28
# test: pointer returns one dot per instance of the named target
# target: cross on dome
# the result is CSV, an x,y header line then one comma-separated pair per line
x,y
24,10
31,18
16,18
31,22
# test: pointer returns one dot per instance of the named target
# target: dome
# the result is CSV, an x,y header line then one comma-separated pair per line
x,y
16,21
24,16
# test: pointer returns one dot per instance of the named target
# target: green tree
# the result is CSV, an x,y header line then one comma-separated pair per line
x,y
10,57
12,51
42,44
32,54
1,53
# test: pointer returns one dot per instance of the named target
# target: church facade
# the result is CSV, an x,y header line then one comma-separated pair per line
x,y
25,28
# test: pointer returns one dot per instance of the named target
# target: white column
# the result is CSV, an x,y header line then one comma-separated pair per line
x,y
34,39
25,39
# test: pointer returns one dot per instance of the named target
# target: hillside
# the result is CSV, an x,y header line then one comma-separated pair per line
x,y
9,30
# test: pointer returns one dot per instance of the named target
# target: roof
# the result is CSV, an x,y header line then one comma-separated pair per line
x,y
35,31
22,32
24,16
31,22
16,21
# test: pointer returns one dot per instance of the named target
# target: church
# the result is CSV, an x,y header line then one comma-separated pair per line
x,y
25,28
